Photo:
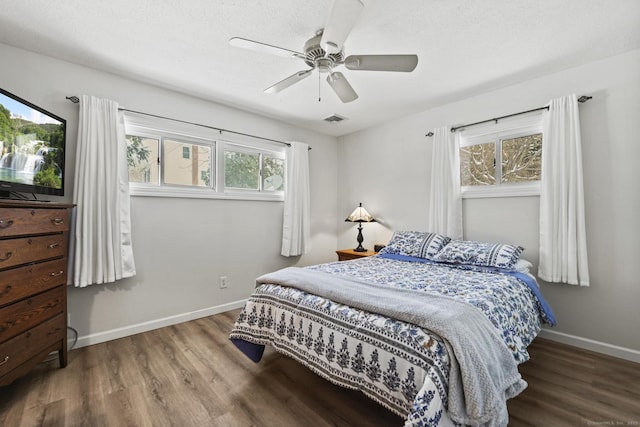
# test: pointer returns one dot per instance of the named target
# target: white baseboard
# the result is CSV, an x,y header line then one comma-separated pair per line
x,y
126,331
592,345
100,337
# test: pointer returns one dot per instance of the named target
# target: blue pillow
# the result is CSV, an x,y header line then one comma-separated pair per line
x,y
481,254
418,244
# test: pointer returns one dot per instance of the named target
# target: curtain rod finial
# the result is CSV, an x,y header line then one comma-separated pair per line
x,y
584,98
73,99
429,134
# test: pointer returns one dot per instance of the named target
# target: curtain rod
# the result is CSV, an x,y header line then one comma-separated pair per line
x,y
582,99
76,100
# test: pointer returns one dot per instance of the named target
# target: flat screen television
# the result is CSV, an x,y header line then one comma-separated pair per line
x,y
32,145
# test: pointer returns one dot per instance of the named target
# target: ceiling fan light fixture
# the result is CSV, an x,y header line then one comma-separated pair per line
x,y
324,65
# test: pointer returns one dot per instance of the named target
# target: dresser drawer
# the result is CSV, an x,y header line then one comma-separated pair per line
x,y
17,318
29,249
24,221
22,347
31,279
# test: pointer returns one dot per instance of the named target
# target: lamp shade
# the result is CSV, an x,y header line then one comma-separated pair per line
x,y
360,214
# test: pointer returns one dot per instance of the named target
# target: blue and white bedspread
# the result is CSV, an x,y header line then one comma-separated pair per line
x,y
406,368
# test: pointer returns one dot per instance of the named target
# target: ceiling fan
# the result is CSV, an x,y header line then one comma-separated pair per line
x,y
325,51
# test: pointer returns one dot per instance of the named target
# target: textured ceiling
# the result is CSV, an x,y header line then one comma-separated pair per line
x,y
464,46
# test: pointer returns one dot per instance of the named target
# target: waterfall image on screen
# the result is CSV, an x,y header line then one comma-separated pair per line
x,y
31,147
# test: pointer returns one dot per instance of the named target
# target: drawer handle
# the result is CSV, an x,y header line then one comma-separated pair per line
x,y
53,245
6,224
5,360
57,273
57,221
6,256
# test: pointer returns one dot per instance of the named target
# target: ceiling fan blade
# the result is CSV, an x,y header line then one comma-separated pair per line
x,y
292,79
404,63
342,17
264,47
341,87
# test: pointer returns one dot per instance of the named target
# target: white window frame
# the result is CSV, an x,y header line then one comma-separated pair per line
x,y
512,128
152,127
261,152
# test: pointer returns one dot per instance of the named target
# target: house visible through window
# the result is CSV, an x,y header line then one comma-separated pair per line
x,y
186,169
190,164
502,161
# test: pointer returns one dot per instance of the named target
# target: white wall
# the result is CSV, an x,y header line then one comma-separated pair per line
x,y
387,168
181,246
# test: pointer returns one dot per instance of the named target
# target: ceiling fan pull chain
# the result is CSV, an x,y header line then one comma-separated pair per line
x,y
319,86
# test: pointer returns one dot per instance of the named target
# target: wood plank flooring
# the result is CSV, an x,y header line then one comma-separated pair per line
x,y
191,375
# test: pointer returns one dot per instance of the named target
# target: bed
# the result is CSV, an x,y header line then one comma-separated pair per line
x,y
432,329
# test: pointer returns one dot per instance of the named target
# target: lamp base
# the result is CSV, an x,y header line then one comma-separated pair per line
x,y
360,239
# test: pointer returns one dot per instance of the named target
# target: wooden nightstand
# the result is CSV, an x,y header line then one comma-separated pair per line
x,y
347,254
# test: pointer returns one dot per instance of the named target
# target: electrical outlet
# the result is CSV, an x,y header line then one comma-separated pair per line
x,y
223,282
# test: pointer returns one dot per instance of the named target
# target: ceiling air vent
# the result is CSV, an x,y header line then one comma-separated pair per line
x,y
334,118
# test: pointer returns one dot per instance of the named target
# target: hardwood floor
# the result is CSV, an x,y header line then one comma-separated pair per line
x,y
574,387
191,375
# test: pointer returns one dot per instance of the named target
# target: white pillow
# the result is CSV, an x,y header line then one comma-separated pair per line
x,y
522,266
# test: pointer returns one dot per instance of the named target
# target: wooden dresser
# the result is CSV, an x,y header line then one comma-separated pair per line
x,y
33,285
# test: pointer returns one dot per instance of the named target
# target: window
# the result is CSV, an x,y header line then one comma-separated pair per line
x,y
272,173
521,158
142,158
188,162
478,164
248,169
186,169
241,169
503,161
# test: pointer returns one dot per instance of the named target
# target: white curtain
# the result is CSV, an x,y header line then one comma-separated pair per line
x,y
101,247
296,224
563,243
445,201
